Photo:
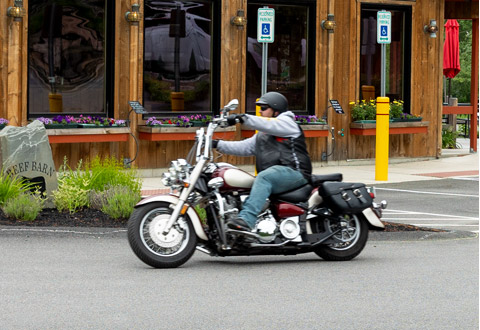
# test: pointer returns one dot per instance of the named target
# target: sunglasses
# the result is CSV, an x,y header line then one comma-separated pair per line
x,y
264,107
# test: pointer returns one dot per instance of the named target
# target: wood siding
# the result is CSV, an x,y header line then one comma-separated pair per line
x,y
336,77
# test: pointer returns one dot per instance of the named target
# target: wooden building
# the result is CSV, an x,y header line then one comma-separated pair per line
x,y
192,57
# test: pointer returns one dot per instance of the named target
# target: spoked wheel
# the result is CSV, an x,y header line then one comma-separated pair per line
x,y
146,238
349,241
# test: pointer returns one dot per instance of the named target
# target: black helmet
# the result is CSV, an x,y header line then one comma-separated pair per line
x,y
274,100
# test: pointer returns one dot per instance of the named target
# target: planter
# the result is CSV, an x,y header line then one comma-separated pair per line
x,y
96,134
366,129
60,126
162,133
399,120
310,131
365,121
198,123
315,123
2,126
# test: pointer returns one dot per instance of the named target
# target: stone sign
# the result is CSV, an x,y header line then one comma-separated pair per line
x,y
25,151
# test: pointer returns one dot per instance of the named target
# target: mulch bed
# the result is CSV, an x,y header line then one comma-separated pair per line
x,y
95,218
53,218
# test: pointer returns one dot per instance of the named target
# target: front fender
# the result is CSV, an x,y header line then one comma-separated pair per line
x,y
172,199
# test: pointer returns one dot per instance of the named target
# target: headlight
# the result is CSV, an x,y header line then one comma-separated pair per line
x,y
178,173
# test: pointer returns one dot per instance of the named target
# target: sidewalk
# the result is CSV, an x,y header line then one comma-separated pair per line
x,y
453,162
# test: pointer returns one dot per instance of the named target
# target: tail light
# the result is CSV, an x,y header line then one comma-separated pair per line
x,y
372,192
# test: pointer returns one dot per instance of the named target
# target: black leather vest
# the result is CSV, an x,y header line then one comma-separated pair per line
x,y
292,152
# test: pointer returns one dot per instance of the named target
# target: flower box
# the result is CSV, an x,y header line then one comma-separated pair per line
x,y
310,130
163,133
412,127
79,135
407,119
56,126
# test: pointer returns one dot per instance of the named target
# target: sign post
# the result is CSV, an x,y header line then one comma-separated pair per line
x,y
384,37
265,35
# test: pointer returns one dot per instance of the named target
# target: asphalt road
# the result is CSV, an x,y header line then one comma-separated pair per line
x,y
82,279
450,204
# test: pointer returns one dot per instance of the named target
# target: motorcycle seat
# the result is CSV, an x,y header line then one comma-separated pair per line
x,y
319,179
298,195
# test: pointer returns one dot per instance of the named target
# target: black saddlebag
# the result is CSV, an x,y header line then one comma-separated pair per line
x,y
346,197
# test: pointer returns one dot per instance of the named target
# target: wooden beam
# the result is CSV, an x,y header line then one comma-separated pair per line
x,y
474,86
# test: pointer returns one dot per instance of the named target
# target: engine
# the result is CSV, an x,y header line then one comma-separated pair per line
x,y
267,227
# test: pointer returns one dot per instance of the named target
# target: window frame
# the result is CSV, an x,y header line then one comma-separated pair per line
x,y
407,48
311,40
215,65
109,70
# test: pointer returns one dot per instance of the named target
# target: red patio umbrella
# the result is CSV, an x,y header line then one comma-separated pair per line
x,y
451,52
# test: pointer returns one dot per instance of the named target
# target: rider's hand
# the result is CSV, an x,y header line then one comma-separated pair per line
x,y
234,119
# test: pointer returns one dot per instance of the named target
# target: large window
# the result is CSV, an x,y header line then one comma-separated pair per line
x,y
397,77
67,54
290,56
178,57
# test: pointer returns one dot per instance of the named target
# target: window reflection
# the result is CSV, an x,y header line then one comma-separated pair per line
x,y
177,73
397,70
287,56
66,49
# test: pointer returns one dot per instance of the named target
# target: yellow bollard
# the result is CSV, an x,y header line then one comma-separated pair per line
x,y
381,148
257,112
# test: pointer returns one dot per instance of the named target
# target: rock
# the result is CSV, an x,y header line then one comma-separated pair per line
x,y
26,152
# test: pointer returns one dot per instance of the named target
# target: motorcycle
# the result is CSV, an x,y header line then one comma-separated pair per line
x,y
328,217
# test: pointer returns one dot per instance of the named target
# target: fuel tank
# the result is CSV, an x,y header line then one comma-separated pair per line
x,y
234,177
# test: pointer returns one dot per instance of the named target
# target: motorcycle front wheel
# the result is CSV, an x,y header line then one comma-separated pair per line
x,y
146,238
349,240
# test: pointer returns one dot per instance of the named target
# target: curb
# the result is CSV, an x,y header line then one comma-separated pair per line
x,y
420,235
99,232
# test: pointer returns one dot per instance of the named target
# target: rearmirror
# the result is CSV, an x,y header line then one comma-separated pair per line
x,y
232,105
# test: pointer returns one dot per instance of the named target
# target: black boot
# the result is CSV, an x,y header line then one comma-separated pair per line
x,y
238,224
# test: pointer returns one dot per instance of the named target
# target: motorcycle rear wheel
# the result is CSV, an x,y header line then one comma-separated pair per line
x,y
350,241
145,228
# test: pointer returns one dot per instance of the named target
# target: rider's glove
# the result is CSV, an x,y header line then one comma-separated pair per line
x,y
214,143
234,119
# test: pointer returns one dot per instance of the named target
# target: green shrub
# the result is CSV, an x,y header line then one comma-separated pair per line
x,y
73,187
396,109
98,175
363,110
10,186
25,206
118,202
449,138
109,172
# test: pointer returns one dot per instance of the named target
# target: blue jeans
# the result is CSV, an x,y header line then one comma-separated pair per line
x,y
274,180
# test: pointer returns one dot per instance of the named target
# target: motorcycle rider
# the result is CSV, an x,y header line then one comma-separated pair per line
x,y
282,159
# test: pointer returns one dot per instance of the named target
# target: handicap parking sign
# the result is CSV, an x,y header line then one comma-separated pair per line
x,y
265,24
384,22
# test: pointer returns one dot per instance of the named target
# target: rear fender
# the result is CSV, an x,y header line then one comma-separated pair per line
x,y
374,222
172,199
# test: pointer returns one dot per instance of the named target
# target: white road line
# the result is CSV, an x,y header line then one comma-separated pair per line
x,y
426,192
431,219
434,214
465,179
63,231
440,225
